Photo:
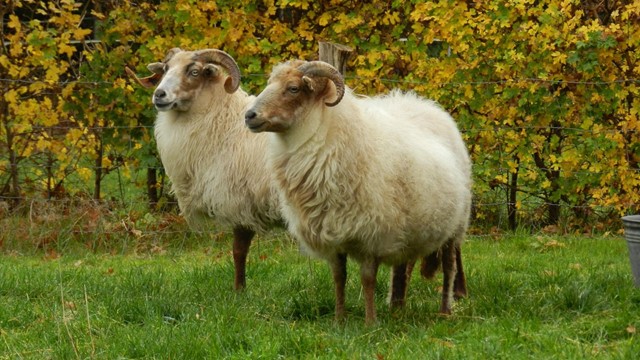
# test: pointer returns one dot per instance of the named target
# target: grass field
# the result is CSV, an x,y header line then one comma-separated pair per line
x,y
531,297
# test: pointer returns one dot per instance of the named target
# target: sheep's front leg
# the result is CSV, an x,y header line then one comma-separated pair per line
x,y
241,243
339,270
368,273
400,276
449,273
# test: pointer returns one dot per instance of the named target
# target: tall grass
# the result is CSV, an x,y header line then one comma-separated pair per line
x,y
531,297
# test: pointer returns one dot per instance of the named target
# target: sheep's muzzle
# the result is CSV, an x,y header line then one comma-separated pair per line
x,y
254,122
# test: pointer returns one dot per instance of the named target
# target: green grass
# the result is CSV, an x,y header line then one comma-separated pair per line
x,y
531,297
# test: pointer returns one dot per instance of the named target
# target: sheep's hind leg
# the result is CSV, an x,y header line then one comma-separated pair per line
x,y
241,242
400,277
339,271
448,278
460,283
368,274
431,264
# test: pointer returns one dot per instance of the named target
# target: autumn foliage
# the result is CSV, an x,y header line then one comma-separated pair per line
x,y
546,93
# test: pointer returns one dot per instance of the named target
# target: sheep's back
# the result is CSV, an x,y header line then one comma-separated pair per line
x,y
429,116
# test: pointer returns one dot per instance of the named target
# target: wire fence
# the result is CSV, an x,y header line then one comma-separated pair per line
x,y
498,203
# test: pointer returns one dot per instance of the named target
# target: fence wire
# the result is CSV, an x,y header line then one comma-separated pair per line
x,y
529,203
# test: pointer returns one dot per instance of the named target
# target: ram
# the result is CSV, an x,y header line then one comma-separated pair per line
x,y
216,166
362,177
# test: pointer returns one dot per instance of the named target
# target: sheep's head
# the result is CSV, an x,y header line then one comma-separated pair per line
x,y
292,89
181,74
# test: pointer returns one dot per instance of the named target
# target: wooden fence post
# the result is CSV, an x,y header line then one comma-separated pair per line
x,y
335,54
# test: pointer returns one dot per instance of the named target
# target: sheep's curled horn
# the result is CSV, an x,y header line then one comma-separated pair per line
x,y
321,68
225,60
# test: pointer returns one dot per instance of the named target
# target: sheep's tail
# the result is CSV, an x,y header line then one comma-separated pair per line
x,y
431,264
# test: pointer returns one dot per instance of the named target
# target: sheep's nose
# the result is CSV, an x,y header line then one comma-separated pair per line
x,y
249,115
159,94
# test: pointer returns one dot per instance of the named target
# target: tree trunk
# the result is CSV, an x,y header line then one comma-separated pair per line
x,y
98,168
512,199
13,182
49,176
554,214
152,189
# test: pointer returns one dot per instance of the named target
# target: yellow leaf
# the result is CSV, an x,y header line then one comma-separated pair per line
x,y
98,15
42,143
66,49
85,173
11,96
324,19
4,61
80,33
106,162
14,23
68,90
53,74
373,57
74,135
559,58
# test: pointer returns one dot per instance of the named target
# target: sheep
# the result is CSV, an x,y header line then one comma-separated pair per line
x,y
216,167
362,177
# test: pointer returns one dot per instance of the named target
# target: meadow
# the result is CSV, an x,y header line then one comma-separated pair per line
x,y
169,295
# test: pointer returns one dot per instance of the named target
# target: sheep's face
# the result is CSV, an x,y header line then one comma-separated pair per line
x,y
183,76
289,95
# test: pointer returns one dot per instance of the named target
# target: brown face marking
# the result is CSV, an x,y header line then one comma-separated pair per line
x,y
183,79
287,95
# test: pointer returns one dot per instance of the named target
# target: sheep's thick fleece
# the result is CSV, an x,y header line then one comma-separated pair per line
x,y
385,177
216,166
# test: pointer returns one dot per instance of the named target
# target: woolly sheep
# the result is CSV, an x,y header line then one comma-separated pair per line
x,y
361,177
216,167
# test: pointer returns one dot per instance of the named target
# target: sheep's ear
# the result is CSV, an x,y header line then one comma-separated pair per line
x,y
321,86
211,69
156,68
309,82
148,82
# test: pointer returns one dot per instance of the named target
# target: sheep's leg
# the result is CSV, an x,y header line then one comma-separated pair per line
x,y
449,273
368,273
430,264
400,276
339,270
460,283
241,243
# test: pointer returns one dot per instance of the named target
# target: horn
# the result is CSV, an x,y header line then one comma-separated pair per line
x,y
321,68
226,61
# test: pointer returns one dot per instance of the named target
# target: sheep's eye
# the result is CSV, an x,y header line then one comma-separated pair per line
x,y
194,73
293,89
